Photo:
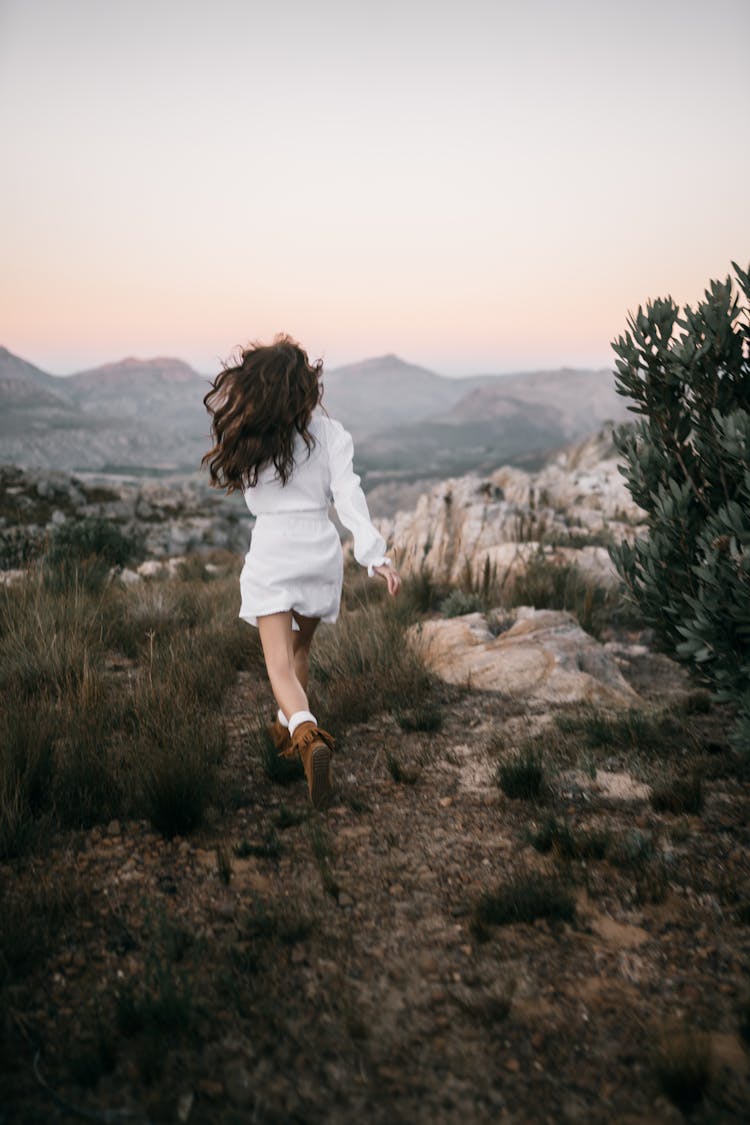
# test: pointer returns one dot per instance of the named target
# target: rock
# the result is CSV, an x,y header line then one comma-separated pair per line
x,y
184,1106
151,568
544,657
621,786
463,521
129,577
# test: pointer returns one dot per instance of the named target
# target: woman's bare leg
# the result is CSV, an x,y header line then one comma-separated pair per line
x,y
301,642
287,658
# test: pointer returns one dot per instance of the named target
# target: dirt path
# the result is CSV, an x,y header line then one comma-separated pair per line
x,y
338,977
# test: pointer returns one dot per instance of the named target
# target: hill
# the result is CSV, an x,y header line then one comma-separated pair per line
x,y
409,423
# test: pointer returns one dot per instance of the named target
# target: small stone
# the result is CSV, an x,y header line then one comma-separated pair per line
x,y
445,802
513,1065
185,1105
345,899
113,828
396,889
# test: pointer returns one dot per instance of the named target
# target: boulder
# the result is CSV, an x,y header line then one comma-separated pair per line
x,y
545,658
578,502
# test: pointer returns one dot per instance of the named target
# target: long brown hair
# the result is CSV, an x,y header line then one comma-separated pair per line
x,y
258,406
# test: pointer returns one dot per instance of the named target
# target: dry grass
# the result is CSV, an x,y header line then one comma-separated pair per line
x,y
522,777
110,700
560,836
524,898
363,666
683,1065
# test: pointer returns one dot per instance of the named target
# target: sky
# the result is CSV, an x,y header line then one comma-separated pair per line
x,y
479,186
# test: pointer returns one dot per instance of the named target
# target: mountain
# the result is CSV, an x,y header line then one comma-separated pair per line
x,y
505,418
135,413
409,423
139,387
580,400
372,395
13,369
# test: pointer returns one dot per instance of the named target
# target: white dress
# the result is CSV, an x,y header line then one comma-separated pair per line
x,y
295,561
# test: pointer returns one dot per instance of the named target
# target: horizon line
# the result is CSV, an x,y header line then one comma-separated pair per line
x,y
379,358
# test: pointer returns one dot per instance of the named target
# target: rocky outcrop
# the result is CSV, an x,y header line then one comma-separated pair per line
x,y
572,509
164,517
543,657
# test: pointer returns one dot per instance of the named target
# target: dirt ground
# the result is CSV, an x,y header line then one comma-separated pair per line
x,y
289,966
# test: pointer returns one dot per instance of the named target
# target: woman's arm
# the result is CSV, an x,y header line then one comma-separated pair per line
x,y
350,502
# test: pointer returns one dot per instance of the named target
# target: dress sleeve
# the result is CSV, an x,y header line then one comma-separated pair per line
x,y
350,502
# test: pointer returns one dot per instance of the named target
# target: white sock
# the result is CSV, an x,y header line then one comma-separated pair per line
x,y
282,718
300,717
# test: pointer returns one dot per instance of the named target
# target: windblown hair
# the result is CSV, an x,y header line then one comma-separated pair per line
x,y
258,406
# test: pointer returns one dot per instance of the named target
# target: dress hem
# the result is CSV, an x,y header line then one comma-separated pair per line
x,y
252,618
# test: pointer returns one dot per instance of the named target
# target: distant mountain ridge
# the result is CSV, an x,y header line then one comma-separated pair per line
x,y
406,419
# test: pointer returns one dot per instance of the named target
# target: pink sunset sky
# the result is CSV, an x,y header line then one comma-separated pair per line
x,y
478,186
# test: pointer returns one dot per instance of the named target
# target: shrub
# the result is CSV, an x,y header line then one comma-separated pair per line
x,y
179,750
420,593
460,602
84,551
686,465
546,584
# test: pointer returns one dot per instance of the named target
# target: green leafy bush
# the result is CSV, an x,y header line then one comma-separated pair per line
x,y
82,552
687,464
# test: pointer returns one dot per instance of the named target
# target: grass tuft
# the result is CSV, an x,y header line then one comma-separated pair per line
x,y
560,836
683,1066
321,849
524,899
364,666
654,733
522,777
284,924
678,795
289,818
423,717
269,848
401,774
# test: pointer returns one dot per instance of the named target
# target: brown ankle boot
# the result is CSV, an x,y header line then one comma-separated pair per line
x,y
280,737
314,747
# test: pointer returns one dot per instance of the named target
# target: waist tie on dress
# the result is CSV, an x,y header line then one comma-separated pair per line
x,y
295,513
